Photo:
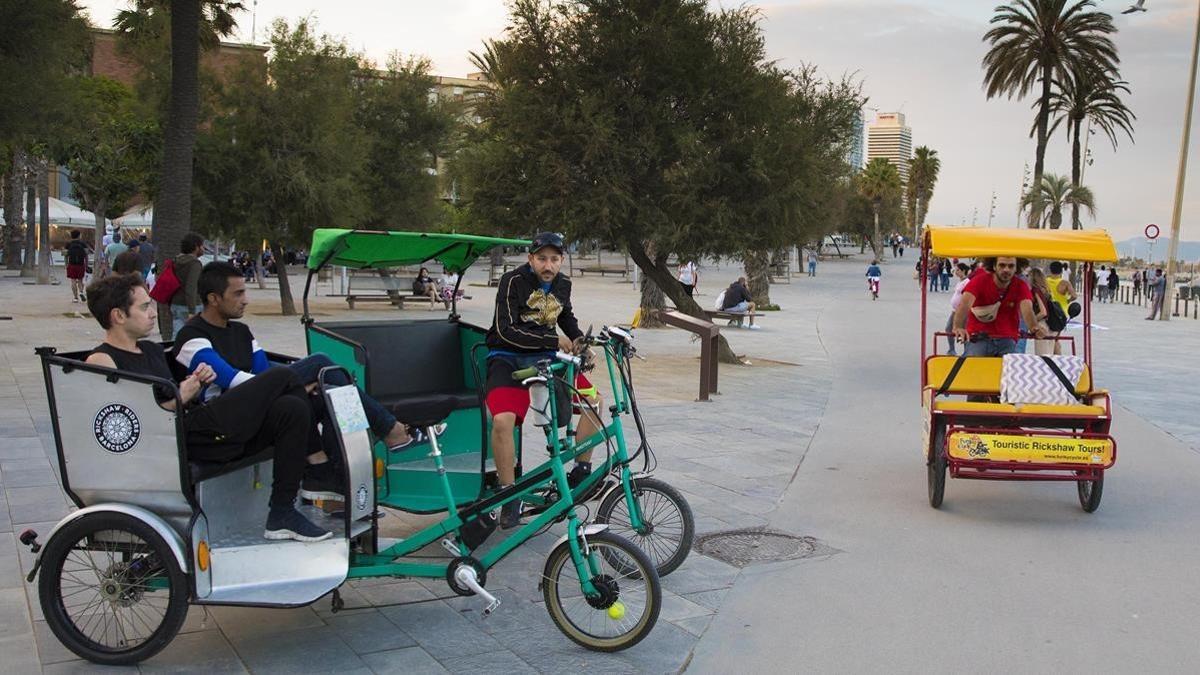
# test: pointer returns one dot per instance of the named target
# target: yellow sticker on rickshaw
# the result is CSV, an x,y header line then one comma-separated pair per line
x,y
1043,449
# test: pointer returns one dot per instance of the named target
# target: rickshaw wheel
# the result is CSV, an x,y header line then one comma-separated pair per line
x,y
630,595
96,592
936,468
1090,492
667,539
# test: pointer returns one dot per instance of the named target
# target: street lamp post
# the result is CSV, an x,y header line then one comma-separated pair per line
x,y
1173,244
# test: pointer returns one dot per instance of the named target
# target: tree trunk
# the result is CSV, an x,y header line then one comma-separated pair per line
x,y
173,206
661,275
166,325
1075,173
98,215
286,303
43,183
1039,163
758,276
27,266
13,213
876,241
652,297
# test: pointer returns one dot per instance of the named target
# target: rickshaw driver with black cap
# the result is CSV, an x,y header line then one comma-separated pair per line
x,y
532,303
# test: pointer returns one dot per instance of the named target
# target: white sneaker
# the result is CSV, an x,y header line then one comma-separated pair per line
x,y
754,326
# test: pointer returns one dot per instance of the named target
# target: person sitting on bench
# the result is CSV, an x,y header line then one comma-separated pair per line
x,y
737,301
269,412
215,339
424,285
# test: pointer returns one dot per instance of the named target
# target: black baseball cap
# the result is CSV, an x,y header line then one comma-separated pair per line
x,y
544,239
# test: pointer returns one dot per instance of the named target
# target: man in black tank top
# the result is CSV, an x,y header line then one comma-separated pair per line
x,y
270,411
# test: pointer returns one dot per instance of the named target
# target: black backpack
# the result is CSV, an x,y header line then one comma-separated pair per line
x,y
1056,318
76,253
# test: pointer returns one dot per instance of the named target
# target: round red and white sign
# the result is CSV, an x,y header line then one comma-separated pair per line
x,y
1152,231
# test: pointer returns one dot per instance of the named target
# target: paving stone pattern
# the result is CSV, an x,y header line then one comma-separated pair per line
x,y
732,458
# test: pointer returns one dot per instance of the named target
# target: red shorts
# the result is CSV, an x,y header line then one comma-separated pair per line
x,y
515,399
75,271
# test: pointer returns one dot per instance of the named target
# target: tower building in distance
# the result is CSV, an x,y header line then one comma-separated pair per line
x,y
890,138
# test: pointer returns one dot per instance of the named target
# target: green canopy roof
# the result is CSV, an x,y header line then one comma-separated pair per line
x,y
373,249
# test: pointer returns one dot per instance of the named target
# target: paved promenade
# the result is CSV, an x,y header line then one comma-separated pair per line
x,y
818,437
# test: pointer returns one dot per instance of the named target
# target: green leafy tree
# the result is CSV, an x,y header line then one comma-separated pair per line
x,y
284,154
108,150
923,169
1093,97
1052,195
42,43
405,132
1034,43
879,182
593,127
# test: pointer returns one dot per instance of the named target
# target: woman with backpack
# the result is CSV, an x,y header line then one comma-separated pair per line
x,y
1049,314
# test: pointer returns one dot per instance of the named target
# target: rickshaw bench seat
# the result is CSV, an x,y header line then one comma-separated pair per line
x,y
1034,409
201,470
426,410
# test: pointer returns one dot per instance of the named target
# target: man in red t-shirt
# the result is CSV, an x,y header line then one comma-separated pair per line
x,y
988,318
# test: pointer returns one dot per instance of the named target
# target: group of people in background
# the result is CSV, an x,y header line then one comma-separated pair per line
x,y
115,255
897,241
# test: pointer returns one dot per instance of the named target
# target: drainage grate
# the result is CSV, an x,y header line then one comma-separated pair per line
x,y
758,545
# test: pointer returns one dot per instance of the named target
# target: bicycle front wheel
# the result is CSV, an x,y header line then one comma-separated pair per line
x,y
628,601
668,527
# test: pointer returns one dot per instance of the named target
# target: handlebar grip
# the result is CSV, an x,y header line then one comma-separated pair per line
x,y
524,373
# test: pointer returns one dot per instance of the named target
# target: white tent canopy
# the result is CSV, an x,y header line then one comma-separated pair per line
x,y
140,216
62,213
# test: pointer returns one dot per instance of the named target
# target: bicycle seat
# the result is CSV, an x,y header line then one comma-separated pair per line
x,y
425,411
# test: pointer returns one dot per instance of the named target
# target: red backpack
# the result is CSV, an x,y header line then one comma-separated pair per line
x,y
166,284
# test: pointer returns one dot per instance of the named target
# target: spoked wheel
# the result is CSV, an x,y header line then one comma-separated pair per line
x,y
1090,492
667,524
629,599
111,589
936,468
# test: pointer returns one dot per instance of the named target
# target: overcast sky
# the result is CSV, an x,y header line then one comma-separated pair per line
x,y
920,57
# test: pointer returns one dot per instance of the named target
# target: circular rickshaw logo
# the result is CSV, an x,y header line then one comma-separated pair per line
x,y
117,428
360,497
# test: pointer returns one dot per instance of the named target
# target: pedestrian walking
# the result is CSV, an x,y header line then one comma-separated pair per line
x,y
945,274
186,302
900,245
1114,283
894,240
76,257
1157,291
812,263
146,252
689,277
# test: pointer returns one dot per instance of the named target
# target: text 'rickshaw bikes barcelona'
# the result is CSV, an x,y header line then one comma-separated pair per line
x,y
157,529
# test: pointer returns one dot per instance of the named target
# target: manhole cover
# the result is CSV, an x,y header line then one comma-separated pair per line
x,y
757,545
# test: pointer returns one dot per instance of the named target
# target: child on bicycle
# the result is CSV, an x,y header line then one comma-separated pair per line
x,y
873,276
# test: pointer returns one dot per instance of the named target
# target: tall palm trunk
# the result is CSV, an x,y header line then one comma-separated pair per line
x,y
43,183
13,213
173,208
875,243
1043,121
1076,170
27,263
658,272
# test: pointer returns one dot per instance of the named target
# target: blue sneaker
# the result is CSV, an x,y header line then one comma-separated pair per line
x,y
288,523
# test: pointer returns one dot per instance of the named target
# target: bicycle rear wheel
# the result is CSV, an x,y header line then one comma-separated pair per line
x,y
668,526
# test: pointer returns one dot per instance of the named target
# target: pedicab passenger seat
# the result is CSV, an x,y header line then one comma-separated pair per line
x,y
201,470
981,375
425,411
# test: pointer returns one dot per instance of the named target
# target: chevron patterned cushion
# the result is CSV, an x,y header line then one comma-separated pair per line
x,y
1025,378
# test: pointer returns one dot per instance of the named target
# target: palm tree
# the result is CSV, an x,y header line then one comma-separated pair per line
x,y
1094,97
1052,195
1041,41
923,171
173,206
879,182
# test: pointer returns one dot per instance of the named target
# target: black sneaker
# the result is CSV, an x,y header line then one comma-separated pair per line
x,y
577,475
510,515
321,481
288,523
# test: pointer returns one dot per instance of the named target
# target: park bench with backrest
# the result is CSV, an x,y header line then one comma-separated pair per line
x,y
374,288
602,270
727,315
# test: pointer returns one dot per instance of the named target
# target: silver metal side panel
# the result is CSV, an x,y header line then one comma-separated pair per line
x,y
248,569
352,424
231,501
203,577
118,444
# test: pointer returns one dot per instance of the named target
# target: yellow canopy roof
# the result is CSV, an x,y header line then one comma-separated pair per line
x,y
976,242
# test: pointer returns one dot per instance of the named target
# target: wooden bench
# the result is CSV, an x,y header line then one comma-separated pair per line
x,y
732,316
500,270
393,290
780,273
603,271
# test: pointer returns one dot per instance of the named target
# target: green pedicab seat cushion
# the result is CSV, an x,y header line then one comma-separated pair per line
x,y
427,410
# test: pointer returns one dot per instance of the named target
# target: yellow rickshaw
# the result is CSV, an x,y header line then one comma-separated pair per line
x,y
991,434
